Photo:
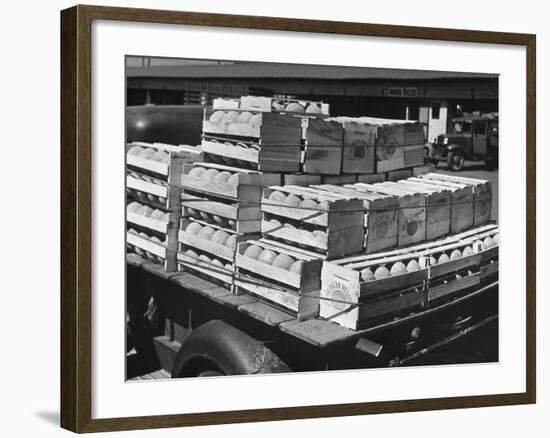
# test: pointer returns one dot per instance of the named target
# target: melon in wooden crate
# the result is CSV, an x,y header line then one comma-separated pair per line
x,y
282,275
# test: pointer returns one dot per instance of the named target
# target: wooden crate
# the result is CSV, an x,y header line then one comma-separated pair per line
x,y
371,178
322,160
272,104
380,222
482,191
271,128
176,156
395,157
301,179
215,249
358,153
265,158
412,212
226,104
157,252
438,208
147,189
297,292
241,217
338,180
396,175
462,203
355,302
248,186
406,133
322,132
207,269
421,170
337,218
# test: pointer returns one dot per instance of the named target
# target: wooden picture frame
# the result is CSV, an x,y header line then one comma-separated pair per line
x,y
76,217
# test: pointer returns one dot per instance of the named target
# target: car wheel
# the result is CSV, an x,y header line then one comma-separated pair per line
x,y
455,160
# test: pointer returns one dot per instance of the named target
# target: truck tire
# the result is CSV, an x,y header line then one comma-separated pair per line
x,y
455,160
217,348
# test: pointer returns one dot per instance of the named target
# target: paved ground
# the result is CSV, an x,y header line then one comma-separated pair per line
x,y
475,169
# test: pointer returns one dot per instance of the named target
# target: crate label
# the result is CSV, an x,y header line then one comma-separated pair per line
x,y
338,290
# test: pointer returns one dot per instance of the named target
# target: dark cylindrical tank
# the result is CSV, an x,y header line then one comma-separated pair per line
x,y
172,124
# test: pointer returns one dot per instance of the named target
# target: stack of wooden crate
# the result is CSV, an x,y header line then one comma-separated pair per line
x,y
358,291
220,207
153,199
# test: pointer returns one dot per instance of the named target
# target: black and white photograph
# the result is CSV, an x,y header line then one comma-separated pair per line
x,y
308,218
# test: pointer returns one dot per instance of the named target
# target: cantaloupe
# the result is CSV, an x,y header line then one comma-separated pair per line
x,y
205,216
489,242
323,205
256,119
152,198
191,212
230,116
277,105
456,254
222,176
157,214
161,200
220,237
146,153
217,116
193,228
232,241
207,233
219,220
275,223
294,107
133,231
232,224
381,272
145,210
432,261
210,174
367,274
191,253
283,261
309,203
233,179
318,234
313,108
197,171
413,266
267,256
468,251
398,268
443,258
253,252
277,196
159,156
244,117
496,238
132,207
297,267
135,150
205,258
292,200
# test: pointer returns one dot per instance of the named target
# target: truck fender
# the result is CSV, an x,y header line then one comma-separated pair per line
x,y
455,147
219,347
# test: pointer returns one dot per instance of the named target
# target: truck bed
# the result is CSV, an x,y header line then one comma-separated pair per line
x,y
317,332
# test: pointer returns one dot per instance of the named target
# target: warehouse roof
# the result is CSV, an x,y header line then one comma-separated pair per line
x,y
301,71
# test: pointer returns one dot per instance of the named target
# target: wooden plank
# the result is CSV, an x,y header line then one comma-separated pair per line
x,y
395,175
322,132
453,287
147,222
146,164
146,187
316,331
323,160
338,179
301,179
266,313
371,178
